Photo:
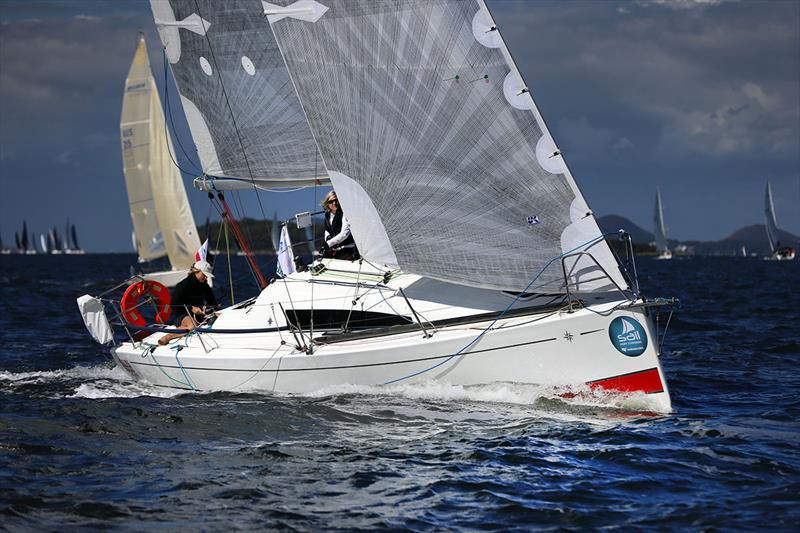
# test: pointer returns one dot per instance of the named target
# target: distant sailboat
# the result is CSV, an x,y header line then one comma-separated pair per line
x,y
3,249
43,243
27,247
660,235
55,245
162,219
779,253
71,240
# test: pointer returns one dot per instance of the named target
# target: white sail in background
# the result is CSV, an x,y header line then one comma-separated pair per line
x,y
160,211
769,219
659,232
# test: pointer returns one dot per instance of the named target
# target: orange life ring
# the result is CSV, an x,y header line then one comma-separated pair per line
x,y
130,301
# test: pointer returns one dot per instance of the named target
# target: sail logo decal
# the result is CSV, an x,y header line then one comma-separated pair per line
x,y
138,87
627,336
533,220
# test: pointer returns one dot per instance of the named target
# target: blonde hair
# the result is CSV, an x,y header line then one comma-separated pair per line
x,y
328,197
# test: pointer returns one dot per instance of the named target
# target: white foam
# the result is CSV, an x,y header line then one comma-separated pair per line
x,y
77,372
95,382
520,397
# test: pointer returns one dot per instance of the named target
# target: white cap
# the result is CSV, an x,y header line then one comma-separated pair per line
x,y
205,268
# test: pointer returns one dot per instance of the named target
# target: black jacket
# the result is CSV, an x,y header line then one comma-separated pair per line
x,y
191,292
334,227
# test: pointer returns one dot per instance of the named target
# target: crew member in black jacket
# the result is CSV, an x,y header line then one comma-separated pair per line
x,y
338,241
192,300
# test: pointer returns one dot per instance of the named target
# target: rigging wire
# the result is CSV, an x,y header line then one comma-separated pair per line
x,y
230,109
474,341
168,113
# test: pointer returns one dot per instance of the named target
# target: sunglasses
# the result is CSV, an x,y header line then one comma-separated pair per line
x,y
333,202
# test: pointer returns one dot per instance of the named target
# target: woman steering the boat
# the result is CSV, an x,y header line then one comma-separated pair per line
x,y
338,241
193,301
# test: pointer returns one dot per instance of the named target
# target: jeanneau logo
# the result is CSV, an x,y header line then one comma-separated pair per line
x,y
137,87
628,336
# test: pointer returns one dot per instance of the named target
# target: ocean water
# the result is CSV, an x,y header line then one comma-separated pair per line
x,y
83,447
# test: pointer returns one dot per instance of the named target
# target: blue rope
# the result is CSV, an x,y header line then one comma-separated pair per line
x,y
177,349
504,311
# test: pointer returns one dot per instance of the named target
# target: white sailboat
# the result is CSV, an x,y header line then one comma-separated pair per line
x,y
71,246
660,234
778,252
163,224
482,261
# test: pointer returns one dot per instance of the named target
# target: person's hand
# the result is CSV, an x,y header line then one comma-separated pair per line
x,y
196,310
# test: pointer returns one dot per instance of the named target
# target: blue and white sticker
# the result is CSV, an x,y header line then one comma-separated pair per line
x,y
628,336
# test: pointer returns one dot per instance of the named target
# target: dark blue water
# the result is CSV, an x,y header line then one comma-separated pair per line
x,y
83,447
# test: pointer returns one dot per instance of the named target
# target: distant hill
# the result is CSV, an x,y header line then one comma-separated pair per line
x,y
612,223
753,238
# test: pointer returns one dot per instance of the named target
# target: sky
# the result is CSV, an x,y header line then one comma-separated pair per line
x,y
698,98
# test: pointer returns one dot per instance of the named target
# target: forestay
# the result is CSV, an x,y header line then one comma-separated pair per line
x,y
244,115
162,218
432,141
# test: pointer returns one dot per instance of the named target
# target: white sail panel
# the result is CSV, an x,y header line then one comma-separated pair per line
x,y
658,222
769,219
419,103
244,115
173,211
135,137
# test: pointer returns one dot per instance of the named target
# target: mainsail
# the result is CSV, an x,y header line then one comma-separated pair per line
x,y
428,133
160,211
769,219
433,143
658,219
244,115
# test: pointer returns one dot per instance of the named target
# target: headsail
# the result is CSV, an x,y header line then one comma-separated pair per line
x,y
162,217
658,219
74,235
245,118
433,143
769,219
24,239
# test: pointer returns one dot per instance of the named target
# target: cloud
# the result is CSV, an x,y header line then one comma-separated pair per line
x,y
682,4
589,141
678,82
61,80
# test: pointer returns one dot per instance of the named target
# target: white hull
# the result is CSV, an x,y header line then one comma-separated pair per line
x,y
781,257
546,347
664,255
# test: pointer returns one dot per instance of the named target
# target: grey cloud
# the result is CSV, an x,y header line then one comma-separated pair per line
x,y
682,71
682,4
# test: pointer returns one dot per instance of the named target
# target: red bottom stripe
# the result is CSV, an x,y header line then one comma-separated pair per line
x,y
647,381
